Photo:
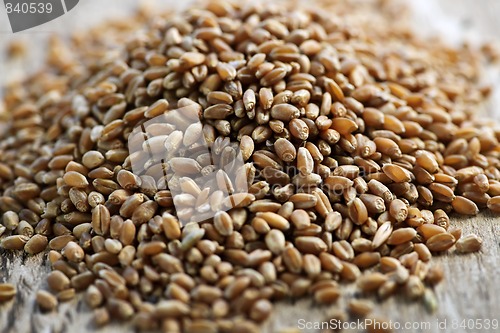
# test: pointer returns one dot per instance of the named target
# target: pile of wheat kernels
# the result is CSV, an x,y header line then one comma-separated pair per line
x,y
358,142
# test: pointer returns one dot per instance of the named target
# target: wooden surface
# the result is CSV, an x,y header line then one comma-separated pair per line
x,y
470,290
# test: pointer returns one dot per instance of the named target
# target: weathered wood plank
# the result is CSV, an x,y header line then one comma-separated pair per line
x,y
470,291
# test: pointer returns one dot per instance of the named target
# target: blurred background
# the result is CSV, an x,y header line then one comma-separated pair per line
x,y
475,21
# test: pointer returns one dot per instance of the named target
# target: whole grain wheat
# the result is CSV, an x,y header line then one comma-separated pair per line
x,y
353,160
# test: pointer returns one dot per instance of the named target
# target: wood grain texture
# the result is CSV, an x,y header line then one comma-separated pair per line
x,y
470,290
